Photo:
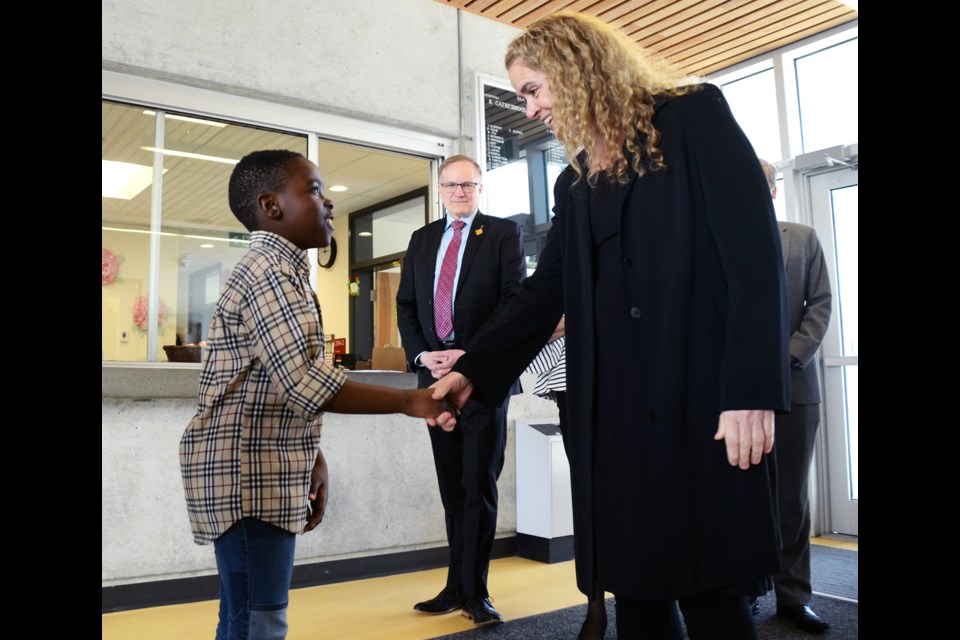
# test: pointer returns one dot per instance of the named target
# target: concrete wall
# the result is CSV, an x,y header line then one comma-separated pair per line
x,y
383,488
408,63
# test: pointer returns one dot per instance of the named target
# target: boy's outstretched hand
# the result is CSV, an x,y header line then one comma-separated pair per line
x,y
319,478
421,403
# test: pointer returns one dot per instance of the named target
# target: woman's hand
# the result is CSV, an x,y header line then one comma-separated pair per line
x,y
749,435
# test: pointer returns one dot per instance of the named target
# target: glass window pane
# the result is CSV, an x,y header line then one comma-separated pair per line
x,y
519,179
753,100
126,192
828,84
506,190
851,396
846,229
385,229
200,239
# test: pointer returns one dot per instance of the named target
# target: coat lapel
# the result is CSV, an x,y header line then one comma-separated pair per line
x,y
473,240
427,264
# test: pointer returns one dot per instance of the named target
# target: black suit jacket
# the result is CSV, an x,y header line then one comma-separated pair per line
x,y
492,266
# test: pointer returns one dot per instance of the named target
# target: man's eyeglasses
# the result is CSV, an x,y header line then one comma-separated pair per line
x,y
451,187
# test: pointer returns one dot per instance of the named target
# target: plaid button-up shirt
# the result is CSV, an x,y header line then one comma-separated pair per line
x,y
250,448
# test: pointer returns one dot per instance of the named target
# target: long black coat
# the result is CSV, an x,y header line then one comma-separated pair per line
x,y
702,264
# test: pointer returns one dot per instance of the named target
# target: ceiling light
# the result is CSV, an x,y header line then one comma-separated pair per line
x,y
187,154
209,123
123,180
168,234
365,234
206,245
338,187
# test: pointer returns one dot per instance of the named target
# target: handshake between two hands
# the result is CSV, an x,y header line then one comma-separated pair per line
x,y
441,403
449,388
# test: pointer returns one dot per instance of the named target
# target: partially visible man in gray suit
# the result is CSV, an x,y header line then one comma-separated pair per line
x,y
808,309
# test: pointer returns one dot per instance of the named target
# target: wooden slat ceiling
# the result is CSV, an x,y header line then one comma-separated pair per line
x,y
699,36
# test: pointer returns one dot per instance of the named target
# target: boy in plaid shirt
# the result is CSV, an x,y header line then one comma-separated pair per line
x,y
252,468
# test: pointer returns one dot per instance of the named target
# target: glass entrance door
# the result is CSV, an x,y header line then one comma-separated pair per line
x,y
835,203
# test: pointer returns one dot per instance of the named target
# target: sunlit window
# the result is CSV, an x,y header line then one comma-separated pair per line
x,y
164,218
753,100
828,86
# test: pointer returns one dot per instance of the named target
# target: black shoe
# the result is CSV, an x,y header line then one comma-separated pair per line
x,y
803,617
446,601
754,607
481,612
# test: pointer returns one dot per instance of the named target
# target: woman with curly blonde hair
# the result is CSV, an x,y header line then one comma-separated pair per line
x,y
664,256
604,90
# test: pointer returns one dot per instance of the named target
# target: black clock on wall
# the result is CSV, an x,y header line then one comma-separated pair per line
x,y
326,256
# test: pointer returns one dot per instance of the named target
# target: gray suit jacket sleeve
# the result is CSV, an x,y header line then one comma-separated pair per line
x,y
809,302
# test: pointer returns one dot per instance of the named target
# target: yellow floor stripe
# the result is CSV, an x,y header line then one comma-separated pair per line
x,y
848,544
378,608
375,609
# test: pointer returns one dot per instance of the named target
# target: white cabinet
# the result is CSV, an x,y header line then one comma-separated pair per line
x,y
544,512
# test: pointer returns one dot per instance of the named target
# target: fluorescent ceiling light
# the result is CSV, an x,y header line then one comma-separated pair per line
x,y
338,187
209,123
124,180
187,154
168,234
206,245
365,234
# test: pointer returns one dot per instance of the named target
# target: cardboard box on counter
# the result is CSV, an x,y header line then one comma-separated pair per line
x,y
389,358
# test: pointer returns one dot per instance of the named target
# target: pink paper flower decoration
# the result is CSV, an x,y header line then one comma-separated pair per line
x,y
109,266
140,310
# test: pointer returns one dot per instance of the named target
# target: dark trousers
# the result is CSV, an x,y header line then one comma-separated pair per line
x,y
796,434
708,616
469,460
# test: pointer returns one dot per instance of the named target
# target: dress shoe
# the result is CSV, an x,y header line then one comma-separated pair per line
x,y
803,618
446,601
754,607
481,612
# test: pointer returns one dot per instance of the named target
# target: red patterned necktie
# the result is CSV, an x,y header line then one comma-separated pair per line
x,y
443,299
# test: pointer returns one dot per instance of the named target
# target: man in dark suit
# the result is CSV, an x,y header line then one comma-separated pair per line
x,y
457,272
808,312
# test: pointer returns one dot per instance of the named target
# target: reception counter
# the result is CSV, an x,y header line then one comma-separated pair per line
x,y
383,497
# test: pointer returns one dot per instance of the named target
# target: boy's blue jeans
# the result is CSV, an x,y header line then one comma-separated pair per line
x,y
255,562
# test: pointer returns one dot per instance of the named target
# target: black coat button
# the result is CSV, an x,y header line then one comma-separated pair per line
x,y
628,262
635,312
652,416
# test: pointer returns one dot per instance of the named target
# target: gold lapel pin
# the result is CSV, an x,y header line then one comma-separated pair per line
x,y
479,231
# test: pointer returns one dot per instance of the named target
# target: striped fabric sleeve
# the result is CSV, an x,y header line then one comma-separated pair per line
x,y
548,357
550,365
